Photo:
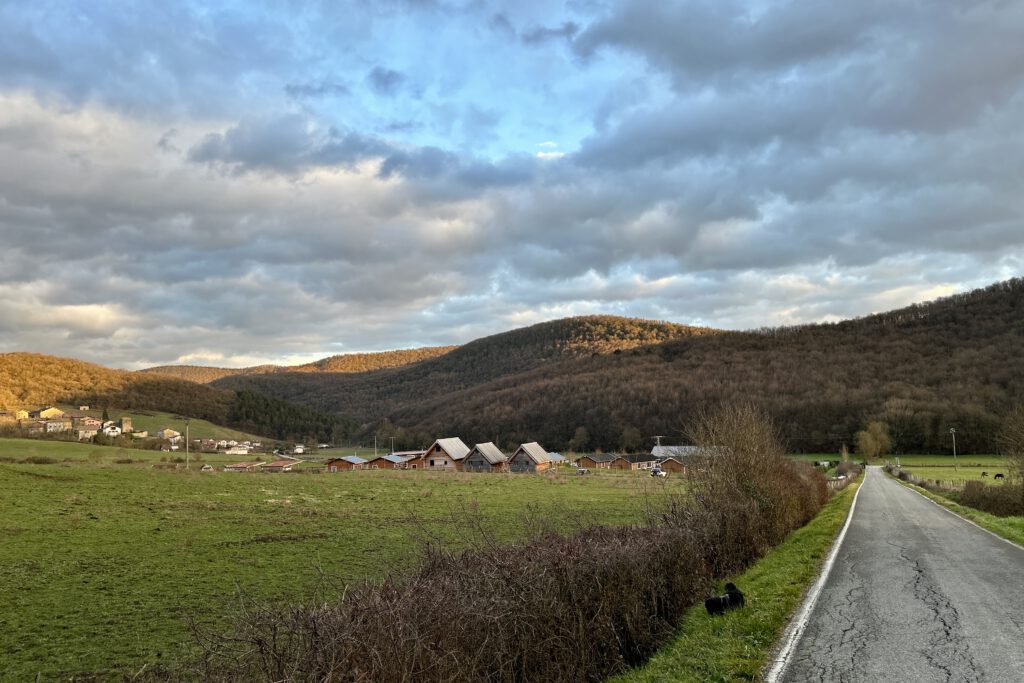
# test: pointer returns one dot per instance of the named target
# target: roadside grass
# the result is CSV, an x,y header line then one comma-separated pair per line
x,y
1011,528
959,474
109,561
947,460
738,645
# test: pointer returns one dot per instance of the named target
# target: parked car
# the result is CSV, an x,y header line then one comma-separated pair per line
x,y
583,470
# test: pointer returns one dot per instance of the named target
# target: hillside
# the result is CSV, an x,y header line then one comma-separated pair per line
x,y
29,380
956,362
369,396
344,363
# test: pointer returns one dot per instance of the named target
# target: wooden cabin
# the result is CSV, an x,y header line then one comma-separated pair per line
x,y
243,467
633,462
672,465
443,454
394,461
484,457
529,457
281,465
596,461
345,463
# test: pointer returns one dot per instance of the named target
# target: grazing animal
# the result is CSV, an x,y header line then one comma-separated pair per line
x,y
731,599
1000,475
984,474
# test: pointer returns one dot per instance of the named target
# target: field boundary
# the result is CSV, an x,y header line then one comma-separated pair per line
x,y
946,504
796,627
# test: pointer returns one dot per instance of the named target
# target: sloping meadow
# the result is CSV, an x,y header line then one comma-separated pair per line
x,y
557,608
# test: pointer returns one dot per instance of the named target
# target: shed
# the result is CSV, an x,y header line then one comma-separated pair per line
x,y
662,452
484,457
633,462
281,465
345,463
445,454
672,465
243,467
529,457
392,461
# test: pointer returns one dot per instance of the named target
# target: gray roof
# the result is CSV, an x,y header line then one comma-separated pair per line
x,y
397,459
556,457
599,457
354,459
491,453
453,447
674,451
534,451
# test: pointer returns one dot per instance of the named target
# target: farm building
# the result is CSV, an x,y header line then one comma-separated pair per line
x,y
485,457
280,465
633,462
244,467
529,457
345,463
394,461
444,454
557,458
678,452
596,461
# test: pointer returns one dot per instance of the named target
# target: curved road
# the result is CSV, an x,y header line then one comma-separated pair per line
x,y
916,594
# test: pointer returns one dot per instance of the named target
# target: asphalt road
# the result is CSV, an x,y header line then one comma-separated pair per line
x,y
916,594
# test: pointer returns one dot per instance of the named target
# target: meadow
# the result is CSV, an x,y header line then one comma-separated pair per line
x,y
110,560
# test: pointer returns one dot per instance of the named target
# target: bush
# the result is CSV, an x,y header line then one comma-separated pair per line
x,y
1006,500
40,460
558,608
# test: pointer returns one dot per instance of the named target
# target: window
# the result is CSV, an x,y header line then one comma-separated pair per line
x,y
431,463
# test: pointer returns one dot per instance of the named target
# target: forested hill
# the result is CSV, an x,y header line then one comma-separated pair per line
x,y
957,362
31,380
372,395
345,363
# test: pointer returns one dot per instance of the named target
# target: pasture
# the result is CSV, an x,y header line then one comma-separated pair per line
x,y
108,560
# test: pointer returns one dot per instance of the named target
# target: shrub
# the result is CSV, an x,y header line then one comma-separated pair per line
x,y
40,460
1002,500
556,608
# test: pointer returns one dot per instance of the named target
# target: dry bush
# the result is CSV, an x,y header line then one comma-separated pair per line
x,y
577,608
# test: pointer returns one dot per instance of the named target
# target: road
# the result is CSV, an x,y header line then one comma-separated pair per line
x,y
916,594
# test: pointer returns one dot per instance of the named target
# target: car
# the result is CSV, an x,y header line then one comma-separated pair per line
x,y
583,470
658,472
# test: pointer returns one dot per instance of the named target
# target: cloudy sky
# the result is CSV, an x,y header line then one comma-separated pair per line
x,y
213,184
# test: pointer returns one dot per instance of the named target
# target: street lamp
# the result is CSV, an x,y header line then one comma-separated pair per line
x,y
186,443
952,430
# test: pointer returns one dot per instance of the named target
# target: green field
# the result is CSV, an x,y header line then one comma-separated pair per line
x,y
104,562
153,421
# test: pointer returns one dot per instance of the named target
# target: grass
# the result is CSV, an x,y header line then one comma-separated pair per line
x,y
104,562
737,646
1011,528
960,474
153,421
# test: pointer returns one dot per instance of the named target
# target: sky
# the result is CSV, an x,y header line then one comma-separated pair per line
x,y
239,183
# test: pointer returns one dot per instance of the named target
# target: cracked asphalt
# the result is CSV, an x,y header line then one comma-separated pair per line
x,y
916,594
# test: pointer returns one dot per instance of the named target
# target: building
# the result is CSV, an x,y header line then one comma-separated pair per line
x,y
394,461
112,430
672,465
88,422
20,414
444,454
86,433
484,457
125,423
529,457
678,452
58,425
244,467
281,465
47,413
633,462
596,461
557,458
33,427
237,450
169,434
346,463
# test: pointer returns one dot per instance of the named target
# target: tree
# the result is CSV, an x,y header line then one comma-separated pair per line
x,y
1011,443
579,440
631,440
873,441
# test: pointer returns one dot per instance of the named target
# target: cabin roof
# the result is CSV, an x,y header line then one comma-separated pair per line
x,y
491,453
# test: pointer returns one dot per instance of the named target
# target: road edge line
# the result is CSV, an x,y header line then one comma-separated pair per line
x,y
795,629
906,485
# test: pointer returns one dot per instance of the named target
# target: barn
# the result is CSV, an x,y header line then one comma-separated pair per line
x,y
280,465
393,461
485,457
596,461
345,463
243,467
444,454
672,465
529,457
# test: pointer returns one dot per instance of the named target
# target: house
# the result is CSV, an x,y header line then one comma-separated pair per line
x,y
345,463
88,422
393,461
85,433
169,434
662,452
299,449
59,425
112,430
125,423
529,457
83,408
484,457
244,467
33,427
47,413
557,458
20,414
644,461
444,454
281,465
596,461
237,450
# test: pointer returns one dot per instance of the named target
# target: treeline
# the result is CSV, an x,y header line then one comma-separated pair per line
x,y
29,380
369,396
956,362
344,363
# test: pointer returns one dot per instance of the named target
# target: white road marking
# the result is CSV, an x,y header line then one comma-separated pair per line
x,y
796,627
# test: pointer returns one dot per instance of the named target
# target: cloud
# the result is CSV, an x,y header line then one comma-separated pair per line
x,y
541,34
385,82
316,90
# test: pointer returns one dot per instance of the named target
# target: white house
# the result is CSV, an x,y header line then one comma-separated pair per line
x,y
445,454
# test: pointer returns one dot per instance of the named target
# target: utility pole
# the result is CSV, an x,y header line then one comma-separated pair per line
x,y
952,430
392,444
375,446
186,443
